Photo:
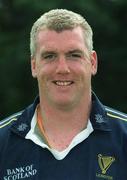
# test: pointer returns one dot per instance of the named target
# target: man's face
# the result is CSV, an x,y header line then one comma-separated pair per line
x,y
63,67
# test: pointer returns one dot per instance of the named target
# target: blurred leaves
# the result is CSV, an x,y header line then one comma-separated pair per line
x,y
109,21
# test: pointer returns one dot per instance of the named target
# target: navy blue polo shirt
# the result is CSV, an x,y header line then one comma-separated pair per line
x,y
103,155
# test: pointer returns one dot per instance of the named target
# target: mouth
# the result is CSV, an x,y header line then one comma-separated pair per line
x,y
63,83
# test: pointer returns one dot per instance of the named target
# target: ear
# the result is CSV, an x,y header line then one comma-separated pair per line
x,y
94,62
33,67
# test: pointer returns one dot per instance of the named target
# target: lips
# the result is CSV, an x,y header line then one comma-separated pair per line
x,y
63,83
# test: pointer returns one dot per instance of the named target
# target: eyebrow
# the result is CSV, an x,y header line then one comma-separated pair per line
x,y
47,52
76,51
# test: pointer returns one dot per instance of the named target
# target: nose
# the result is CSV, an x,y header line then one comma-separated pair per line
x,y
62,66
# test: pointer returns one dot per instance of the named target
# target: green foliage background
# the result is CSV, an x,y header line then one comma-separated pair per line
x,y
109,21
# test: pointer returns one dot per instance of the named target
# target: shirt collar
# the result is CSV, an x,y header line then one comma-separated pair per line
x,y
98,117
23,123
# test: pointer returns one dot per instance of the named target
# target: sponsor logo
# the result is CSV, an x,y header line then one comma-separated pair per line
x,y
104,163
23,172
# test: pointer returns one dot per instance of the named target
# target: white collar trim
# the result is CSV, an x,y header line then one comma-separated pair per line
x,y
59,155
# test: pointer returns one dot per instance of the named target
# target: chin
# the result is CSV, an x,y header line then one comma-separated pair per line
x,y
64,104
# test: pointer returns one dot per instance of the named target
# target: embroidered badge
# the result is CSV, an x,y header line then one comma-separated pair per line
x,y
99,118
22,127
105,162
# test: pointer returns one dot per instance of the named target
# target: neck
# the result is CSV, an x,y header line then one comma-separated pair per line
x,y
59,123
63,118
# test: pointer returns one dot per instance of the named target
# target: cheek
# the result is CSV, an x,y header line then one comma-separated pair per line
x,y
45,74
87,69
40,67
81,69
83,75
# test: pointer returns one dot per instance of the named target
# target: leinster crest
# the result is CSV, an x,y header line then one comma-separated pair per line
x,y
105,162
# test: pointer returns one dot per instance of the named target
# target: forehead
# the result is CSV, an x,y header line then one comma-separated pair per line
x,y
65,39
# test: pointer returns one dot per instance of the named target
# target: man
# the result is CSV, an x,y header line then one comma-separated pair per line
x,y
66,134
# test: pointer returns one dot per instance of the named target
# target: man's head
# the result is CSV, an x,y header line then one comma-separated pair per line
x,y
62,59
60,20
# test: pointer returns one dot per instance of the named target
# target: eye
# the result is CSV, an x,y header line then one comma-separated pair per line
x,y
49,56
74,56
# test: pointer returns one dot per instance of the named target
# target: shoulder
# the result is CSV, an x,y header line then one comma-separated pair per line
x,y
117,120
118,124
7,122
5,129
116,115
